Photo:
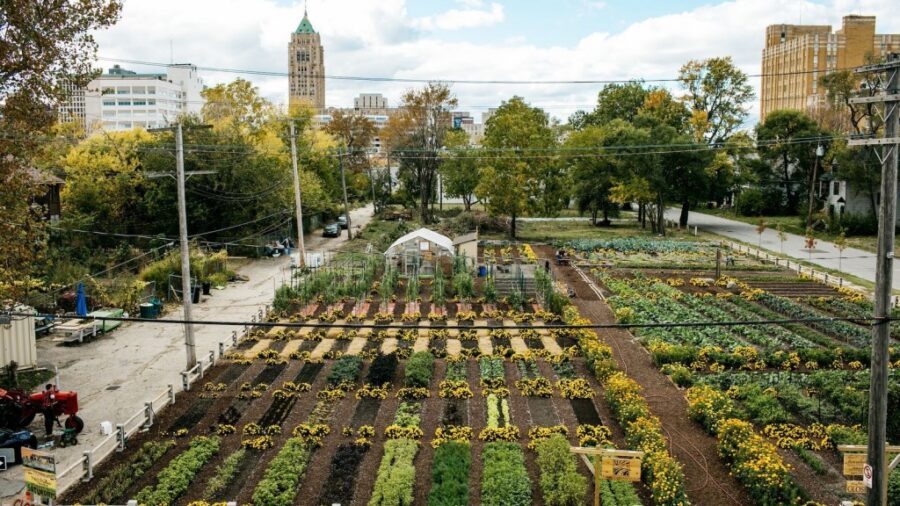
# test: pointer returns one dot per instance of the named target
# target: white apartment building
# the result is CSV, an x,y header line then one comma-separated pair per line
x,y
121,99
370,102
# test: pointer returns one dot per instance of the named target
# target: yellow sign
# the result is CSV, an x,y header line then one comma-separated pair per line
x,y
853,464
40,482
620,468
856,487
36,459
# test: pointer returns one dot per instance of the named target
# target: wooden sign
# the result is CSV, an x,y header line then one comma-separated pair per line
x,y
620,468
853,464
856,487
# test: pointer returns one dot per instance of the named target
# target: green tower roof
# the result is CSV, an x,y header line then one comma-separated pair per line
x,y
305,26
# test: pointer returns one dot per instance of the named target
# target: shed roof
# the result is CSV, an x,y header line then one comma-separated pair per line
x,y
462,239
442,241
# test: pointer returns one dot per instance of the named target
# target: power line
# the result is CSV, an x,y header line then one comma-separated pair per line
x,y
385,326
445,80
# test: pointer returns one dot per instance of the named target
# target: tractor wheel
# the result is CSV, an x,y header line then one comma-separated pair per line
x,y
74,422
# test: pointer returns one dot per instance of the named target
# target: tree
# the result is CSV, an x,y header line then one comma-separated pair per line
x,y
859,166
517,185
784,140
460,168
416,133
760,228
43,45
717,94
615,101
594,176
237,106
840,243
782,236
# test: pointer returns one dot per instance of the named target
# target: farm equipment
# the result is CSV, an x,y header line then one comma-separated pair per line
x,y
18,408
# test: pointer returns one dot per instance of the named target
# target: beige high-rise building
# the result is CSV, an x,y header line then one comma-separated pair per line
x,y
796,56
306,66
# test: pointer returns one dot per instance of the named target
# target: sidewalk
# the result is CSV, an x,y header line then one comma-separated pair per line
x,y
116,374
856,262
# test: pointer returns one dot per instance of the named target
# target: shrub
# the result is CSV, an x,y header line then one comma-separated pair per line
x,y
450,475
755,463
175,479
224,474
282,478
345,370
396,474
121,477
504,481
419,369
561,484
382,369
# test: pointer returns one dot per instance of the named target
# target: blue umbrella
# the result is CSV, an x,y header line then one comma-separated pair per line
x,y
80,301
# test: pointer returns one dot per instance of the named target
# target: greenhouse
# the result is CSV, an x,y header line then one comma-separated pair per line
x,y
418,251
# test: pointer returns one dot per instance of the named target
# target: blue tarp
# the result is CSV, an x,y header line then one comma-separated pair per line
x,y
81,301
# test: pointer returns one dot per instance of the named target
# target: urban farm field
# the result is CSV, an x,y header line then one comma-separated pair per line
x,y
777,399
421,410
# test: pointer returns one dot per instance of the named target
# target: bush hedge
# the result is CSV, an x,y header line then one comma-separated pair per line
x,y
450,475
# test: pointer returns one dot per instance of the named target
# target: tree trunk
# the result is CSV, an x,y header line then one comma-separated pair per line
x,y
512,226
467,202
787,186
594,216
661,215
685,208
642,215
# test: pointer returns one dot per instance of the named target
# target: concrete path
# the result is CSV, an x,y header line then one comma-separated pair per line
x,y
116,374
855,261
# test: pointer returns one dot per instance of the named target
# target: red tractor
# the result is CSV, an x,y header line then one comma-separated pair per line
x,y
18,408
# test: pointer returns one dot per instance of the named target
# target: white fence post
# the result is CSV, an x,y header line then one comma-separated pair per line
x,y
185,383
148,414
212,358
120,437
171,394
88,467
234,338
221,349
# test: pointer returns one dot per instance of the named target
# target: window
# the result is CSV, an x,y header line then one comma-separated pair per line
x,y
151,90
109,103
837,188
424,246
151,102
139,102
123,90
124,102
138,90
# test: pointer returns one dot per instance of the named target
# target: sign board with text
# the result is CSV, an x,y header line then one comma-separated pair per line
x,y
40,472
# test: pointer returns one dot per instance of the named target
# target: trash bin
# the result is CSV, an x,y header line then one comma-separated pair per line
x,y
148,310
196,295
482,271
157,306
206,287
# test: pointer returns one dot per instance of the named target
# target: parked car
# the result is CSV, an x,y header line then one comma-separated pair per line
x,y
16,440
342,220
331,230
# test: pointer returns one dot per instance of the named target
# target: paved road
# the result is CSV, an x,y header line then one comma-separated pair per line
x,y
116,374
855,261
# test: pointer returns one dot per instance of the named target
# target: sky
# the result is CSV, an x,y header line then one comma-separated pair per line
x,y
467,39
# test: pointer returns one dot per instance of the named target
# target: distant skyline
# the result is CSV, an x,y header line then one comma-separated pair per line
x,y
467,39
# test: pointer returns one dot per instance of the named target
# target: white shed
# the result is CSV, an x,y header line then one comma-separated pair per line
x,y
418,251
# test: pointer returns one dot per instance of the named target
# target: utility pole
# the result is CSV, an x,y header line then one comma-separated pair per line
x,y
876,456
297,197
820,151
372,181
344,184
186,293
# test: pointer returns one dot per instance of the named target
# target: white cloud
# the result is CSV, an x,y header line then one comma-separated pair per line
x,y
455,19
364,38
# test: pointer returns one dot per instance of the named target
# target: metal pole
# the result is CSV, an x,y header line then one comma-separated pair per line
x,y
344,184
297,197
186,294
877,495
809,211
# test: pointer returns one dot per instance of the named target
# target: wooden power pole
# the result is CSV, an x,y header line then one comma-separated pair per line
x,y
344,184
890,143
